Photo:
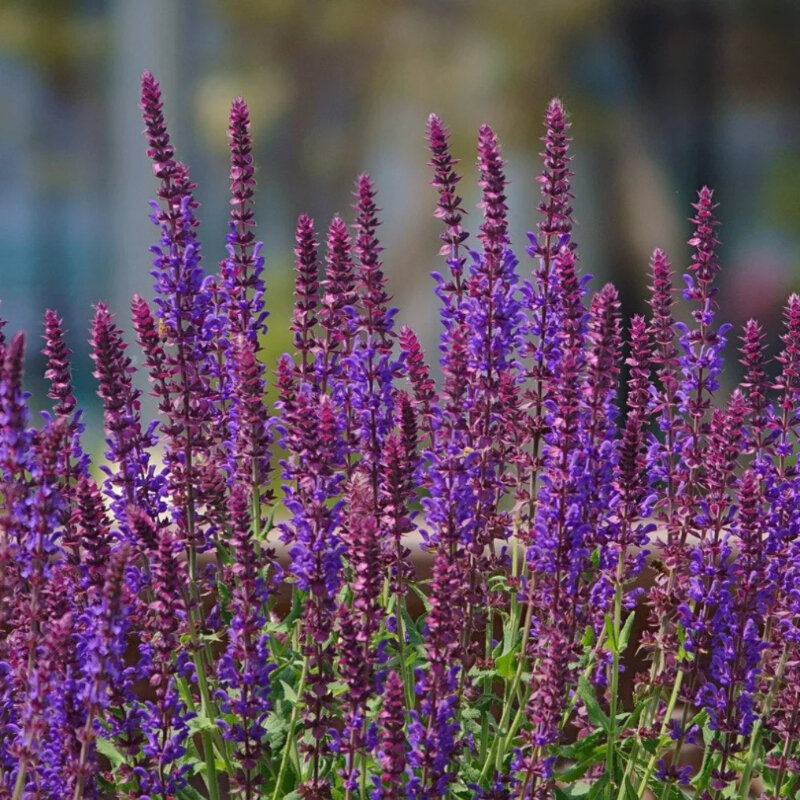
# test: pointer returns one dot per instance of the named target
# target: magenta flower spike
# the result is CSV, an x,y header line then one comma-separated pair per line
x,y
306,295
555,205
375,316
183,307
132,479
337,306
392,740
448,209
58,370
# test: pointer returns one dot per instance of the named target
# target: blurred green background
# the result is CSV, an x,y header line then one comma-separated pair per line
x,y
664,95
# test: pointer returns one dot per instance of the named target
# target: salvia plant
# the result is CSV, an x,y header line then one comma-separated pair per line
x,y
507,583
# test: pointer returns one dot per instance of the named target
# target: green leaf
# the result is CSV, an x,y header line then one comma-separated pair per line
x,y
223,556
189,793
625,633
596,714
582,766
109,750
414,637
577,791
277,727
422,596
630,792
598,788
579,748
288,692
506,665
611,634
269,522
200,722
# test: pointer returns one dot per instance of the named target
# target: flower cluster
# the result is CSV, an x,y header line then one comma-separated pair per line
x,y
567,569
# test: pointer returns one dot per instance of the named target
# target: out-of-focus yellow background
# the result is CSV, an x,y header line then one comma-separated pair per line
x,y
664,95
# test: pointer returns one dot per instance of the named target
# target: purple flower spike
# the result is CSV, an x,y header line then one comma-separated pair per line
x,y
418,373
249,418
494,228
131,478
788,383
360,621
58,370
392,740
541,300
165,721
704,265
242,269
663,455
184,309
701,362
376,317
631,479
241,414
160,149
245,668
555,205
756,388
15,443
337,304
93,529
600,398
306,293
448,209
74,461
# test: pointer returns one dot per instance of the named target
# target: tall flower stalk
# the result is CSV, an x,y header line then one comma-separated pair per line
x,y
451,607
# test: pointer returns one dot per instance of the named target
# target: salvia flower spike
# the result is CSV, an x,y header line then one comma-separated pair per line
x,y
551,567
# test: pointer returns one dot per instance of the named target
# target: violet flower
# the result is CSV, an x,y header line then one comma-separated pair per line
x,y
448,209
337,306
100,654
183,305
540,349
701,361
604,339
131,478
306,295
755,386
244,669
311,433
370,368
559,553
391,750
418,374
359,621
58,372
165,721
243,269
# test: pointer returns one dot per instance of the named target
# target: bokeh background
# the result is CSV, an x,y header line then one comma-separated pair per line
x,y
664,95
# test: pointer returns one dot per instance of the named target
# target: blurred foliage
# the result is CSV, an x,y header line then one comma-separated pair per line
x,y
52,36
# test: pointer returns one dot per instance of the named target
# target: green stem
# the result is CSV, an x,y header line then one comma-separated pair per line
x,y
758,727
19,786
614,682
290,733
651,764
506,715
